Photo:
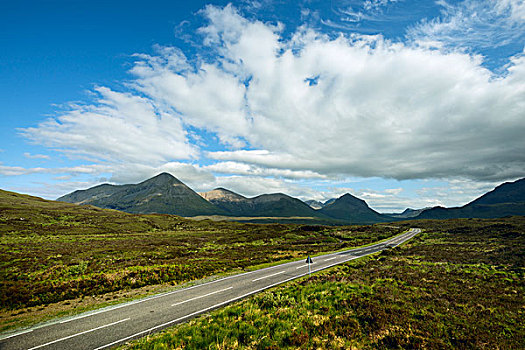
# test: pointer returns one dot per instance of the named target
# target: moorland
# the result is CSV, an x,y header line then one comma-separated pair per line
x,y
458,284
77,256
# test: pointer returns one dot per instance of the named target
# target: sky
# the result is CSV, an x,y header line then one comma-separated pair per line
x,y
403,103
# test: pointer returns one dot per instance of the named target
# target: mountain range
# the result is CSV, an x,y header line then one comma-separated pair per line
x,y
507,199
265,205
165,194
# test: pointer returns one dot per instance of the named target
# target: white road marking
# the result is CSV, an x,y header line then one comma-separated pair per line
x,y
202,296
190,315
263,277
100,311
77,334
332,258
14,335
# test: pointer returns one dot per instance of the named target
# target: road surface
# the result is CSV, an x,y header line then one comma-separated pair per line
x,y
105,328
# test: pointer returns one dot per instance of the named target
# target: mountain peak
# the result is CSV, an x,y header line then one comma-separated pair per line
x,y
350,199
221,194
508,192
163,179
348,207
504,200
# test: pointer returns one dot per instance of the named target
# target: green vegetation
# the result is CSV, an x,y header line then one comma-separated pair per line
x,y
54,252
459,284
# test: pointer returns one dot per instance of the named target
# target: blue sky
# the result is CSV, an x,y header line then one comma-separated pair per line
x,y
402,103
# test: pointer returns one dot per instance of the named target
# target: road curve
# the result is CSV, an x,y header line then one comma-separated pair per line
x,y
105,328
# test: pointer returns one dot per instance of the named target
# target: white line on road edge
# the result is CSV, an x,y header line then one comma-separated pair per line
x,y
263,277
350,251
19,333
202,296
77,334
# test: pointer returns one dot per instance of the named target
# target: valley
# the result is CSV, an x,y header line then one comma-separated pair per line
x,y
60,259
262,175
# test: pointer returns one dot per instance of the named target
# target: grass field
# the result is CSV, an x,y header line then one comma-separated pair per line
x,y
54,252
458,285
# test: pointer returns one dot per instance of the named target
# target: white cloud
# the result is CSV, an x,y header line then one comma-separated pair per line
x,y
36,156
117,127
394,191
6,170
248,169
377,4
54,190
251,186
378,108
457,192
191,174
92,169
474,23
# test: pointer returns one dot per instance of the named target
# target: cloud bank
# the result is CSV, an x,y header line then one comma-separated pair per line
x,y
305,107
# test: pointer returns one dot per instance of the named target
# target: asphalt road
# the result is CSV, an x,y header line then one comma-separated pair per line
x,y
115,325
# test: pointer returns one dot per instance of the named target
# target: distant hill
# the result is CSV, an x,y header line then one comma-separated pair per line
x,y
273,205
279,204
407,213
330,201
314,204
230,202
508,192
163,194
352,209
505,200
222,194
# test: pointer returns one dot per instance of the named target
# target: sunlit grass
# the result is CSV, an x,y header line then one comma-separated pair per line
x,y
415,296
